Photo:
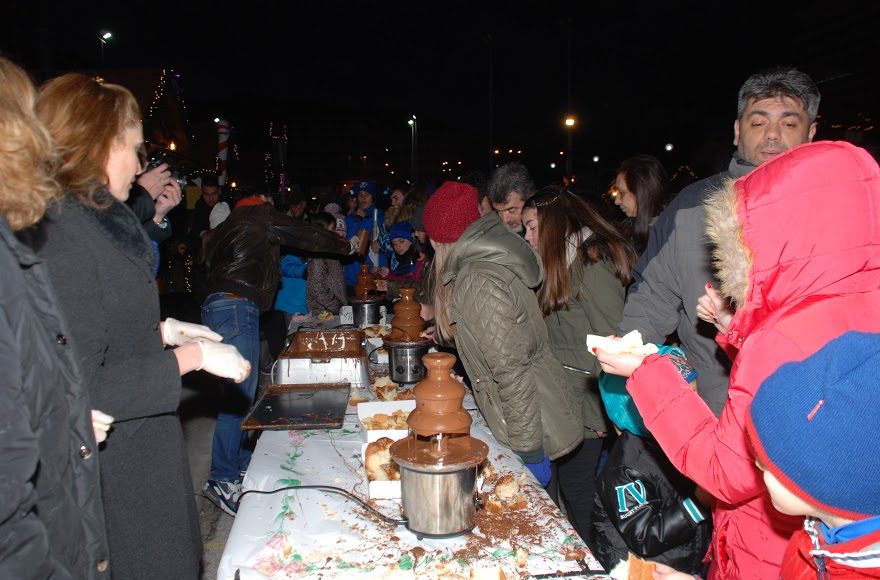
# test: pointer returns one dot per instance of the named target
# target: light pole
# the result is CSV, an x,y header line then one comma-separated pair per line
x,y
569,125
104,37
414,147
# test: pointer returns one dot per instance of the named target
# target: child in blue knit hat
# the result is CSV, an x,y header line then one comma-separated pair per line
x,y
643,504
814,428
409,257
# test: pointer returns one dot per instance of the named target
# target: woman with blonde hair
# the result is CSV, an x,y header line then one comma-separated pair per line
x,y
99,259
51,517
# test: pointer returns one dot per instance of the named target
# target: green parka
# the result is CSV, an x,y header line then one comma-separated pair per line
x,y
501,338
595,307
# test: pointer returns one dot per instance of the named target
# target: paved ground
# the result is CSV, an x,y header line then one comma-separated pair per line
x,y
197,412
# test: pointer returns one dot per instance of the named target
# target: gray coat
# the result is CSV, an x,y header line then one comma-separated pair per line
x,y
51,518
99,263
501,338
669,278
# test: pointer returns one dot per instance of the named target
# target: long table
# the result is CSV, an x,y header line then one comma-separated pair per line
x,y
312,534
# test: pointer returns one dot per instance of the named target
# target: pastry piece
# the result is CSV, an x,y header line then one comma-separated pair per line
x,y
376,331
386,389
639,569
506,495
325,315
630,343
396,420
378,462
485,571
406,395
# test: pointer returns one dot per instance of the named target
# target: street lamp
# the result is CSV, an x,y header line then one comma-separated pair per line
x,y
103,38
569,124
414,144
669,147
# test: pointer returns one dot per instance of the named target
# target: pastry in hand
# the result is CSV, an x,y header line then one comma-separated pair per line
x,y
630,343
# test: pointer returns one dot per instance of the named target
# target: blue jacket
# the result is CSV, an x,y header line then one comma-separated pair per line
x,y
291,296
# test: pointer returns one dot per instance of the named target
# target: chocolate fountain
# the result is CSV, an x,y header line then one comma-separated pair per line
x,y
438,460
365,306
406,345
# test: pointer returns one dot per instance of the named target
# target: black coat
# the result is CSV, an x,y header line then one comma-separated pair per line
x,y
643,505
99,262
242,255
51,518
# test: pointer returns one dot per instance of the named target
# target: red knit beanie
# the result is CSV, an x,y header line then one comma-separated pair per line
x,y
450,210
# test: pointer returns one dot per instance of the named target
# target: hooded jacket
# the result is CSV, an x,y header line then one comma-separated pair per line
x,y
848,560
797,251
500,335
242,255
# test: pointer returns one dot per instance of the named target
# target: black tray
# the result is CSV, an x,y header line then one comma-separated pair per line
x,y
312,406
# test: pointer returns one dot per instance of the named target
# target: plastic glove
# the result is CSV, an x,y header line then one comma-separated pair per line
x,y
355,243
100,425
541,471
223,360
175,332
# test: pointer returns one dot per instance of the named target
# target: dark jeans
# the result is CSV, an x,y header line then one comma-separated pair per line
x,y
236,319
576,473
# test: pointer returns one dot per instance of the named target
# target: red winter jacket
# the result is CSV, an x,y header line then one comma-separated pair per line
x,y
851,560
797,244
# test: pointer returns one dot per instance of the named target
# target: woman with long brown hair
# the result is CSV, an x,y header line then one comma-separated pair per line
x,y
587,265
51,517
641,191
99,260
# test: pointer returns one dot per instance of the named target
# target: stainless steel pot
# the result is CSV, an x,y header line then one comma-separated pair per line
x,y
366,312
405,360
439,501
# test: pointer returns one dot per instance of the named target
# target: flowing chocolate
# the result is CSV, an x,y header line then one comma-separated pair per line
x,y
407,325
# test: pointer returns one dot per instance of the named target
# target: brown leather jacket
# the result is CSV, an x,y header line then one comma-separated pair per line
x,y
242,254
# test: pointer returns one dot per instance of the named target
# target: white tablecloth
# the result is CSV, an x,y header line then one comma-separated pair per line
x,y
313,534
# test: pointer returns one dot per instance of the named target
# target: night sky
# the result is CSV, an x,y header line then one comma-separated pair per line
x,y
346,76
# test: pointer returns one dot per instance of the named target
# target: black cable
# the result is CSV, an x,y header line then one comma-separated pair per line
x,y
331,489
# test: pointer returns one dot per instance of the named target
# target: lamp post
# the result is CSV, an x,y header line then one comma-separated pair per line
x,y
414,146
569,125
104,37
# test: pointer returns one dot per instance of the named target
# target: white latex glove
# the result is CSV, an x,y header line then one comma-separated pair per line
x,y
355,243
175,332
223,360
100,425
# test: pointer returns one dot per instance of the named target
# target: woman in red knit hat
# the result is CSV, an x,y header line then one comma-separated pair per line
x,y
484,304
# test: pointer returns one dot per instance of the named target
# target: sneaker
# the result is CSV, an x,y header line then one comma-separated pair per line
x,y
223,494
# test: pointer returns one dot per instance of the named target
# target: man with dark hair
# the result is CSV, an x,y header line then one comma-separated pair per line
x,y
776,111
242,258
200,222
509,189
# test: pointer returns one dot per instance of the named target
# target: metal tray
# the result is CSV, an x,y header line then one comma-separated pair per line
x,y
311,406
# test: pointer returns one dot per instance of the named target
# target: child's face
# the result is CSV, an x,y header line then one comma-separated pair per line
x,y
422,236
783,500
400,245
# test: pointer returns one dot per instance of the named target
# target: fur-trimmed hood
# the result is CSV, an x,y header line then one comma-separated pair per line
x,y
804,225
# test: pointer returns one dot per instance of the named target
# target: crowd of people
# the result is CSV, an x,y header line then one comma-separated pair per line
x,y
741,449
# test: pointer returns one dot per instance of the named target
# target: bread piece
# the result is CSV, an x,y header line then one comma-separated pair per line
x,y
485,571
639,569
507,495
406,394
378,462
386,389
325,315
630,343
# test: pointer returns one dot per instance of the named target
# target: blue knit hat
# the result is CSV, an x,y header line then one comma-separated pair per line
x,y
400,230
814,425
